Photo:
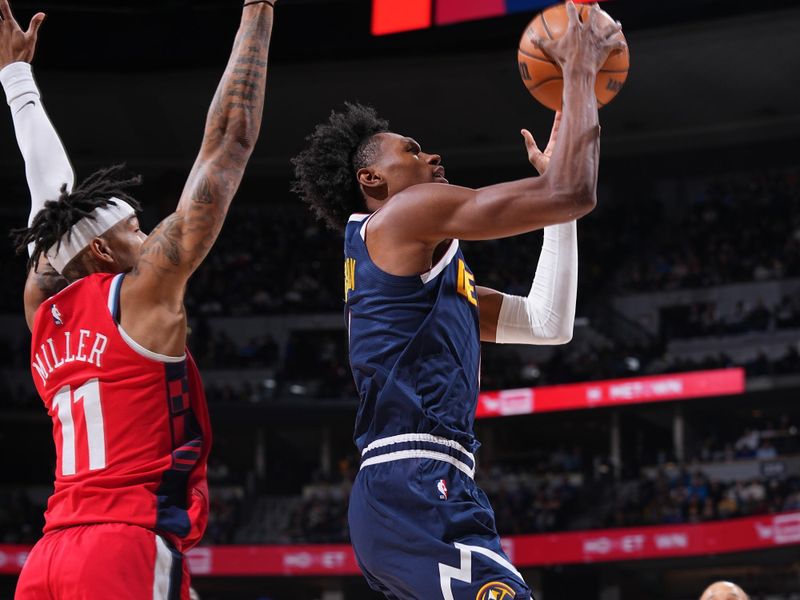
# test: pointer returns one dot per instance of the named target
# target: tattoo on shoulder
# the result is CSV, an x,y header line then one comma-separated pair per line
x,y
164,242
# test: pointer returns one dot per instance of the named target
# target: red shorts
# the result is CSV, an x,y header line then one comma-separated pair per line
x,y
111,560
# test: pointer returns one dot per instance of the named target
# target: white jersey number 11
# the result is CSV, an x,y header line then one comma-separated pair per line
x,y
89,392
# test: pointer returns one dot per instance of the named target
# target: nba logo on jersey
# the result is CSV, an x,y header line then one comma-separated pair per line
x,y
495,591
441,485
56,315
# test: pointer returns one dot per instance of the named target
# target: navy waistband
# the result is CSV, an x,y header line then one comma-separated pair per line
x,y
419,445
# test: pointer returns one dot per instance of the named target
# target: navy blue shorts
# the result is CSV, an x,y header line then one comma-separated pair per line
x,y
423,530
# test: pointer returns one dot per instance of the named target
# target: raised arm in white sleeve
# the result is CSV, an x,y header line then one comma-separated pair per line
x,y
547,315
47,166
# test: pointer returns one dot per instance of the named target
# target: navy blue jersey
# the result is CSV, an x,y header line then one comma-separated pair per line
x,y
414,345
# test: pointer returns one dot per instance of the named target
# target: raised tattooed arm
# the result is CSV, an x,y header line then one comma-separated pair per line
x,y
180,243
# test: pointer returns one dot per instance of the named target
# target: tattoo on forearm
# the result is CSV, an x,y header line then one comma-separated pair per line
x,y
203,194
249,66
251,60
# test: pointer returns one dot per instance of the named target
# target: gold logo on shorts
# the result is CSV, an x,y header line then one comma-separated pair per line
x,y
495,591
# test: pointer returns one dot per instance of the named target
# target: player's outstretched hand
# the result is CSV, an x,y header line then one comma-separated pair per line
x,y
17,45
540,159
585,46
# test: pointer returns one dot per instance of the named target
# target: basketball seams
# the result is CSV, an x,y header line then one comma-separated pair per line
x,y
541,83
546,27
539,58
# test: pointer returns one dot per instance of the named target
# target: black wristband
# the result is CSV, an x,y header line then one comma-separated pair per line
x,y
252,2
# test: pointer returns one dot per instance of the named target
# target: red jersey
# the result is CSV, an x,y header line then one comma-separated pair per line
x,y
131,427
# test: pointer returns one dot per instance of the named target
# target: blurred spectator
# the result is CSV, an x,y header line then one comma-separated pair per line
x,y
724,590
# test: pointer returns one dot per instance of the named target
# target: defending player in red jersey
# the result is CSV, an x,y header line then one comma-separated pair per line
x,y
130,422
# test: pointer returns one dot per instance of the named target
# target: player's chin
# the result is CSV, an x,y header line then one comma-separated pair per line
x,y
440,179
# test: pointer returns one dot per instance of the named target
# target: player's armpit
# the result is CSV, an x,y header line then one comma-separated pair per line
x,y
42,282
489,303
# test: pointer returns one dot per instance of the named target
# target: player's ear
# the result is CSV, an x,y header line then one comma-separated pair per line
x,y
373,187
101,251
369,179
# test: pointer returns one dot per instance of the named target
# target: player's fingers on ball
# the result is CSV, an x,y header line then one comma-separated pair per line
x,y
613,29
618,45
542,43
572,14
594,15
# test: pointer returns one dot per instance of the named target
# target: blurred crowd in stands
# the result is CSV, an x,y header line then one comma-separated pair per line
x,y
764,441
704,319
743,227
557,490
21,517
525,504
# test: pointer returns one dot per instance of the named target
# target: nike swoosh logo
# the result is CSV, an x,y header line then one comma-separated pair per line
x,y
29,102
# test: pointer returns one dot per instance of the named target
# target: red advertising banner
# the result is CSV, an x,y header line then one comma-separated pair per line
x,y
608,545
596,394
394,16
455,11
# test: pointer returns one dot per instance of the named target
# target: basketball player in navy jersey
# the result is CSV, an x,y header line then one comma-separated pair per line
x,y
420,526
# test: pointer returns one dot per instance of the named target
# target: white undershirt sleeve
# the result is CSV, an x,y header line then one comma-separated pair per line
x,y
47,166
547,315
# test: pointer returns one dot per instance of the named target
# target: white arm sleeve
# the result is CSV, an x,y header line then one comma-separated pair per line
x,y
547,315
47,165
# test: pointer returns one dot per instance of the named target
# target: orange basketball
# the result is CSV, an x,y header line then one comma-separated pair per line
x,y
543,77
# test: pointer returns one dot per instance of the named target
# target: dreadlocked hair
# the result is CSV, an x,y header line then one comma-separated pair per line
x,y
58,216
326,170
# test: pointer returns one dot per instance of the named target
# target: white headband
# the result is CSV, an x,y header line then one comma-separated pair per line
x,y
84,231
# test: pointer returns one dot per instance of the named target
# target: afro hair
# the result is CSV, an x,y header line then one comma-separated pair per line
x,y
325,171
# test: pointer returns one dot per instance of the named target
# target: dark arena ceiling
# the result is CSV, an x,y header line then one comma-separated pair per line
x,y
147,34
127,81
